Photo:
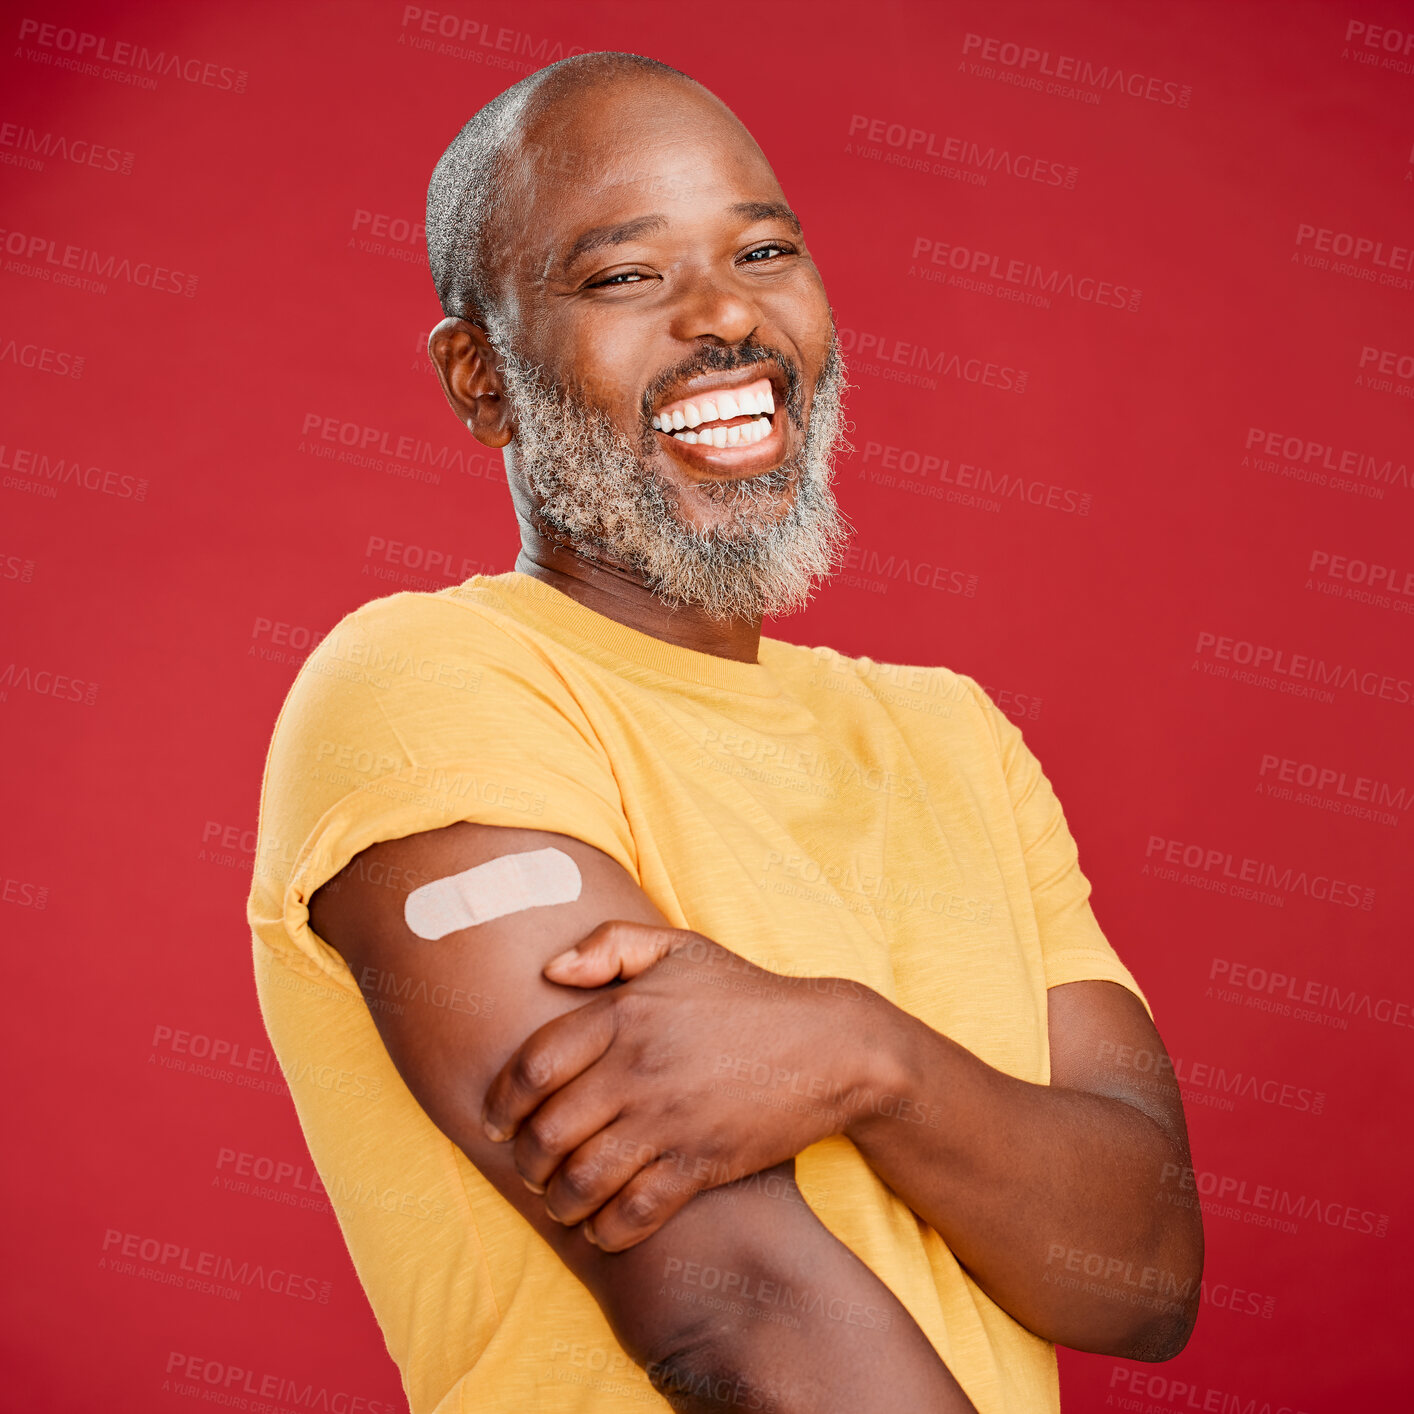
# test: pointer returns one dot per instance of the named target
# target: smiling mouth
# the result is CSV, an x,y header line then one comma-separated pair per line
x,y
736,417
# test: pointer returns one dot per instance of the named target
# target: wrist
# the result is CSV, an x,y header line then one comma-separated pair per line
x,y
877,1085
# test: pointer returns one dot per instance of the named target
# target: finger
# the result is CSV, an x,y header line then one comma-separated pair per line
x,y
617,948
595,1172
563,1124
546,1060
644,1204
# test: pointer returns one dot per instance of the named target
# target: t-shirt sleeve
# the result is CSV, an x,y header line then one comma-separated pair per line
x,y
417,712
1073,947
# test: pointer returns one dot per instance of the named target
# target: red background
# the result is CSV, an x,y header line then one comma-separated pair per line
x,y
152,630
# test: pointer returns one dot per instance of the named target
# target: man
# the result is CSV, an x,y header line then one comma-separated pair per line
x,y
673,1012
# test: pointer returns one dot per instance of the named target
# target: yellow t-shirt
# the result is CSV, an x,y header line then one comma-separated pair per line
x,y
817,814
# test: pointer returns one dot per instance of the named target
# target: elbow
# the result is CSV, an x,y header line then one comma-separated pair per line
x,y
1162,1332
1159,1320
696,1377
1160,1339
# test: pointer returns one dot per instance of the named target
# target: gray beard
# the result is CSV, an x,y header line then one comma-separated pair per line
x,y
599,495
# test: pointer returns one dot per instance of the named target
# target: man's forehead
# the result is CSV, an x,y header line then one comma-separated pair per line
x,y
604,157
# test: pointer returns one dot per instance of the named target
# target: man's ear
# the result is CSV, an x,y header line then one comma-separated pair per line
x,y
471,379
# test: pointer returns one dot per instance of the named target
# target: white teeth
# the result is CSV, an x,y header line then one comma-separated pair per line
x,y
722,408
745,435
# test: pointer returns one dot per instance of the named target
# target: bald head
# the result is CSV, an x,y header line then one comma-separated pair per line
x,y
522,136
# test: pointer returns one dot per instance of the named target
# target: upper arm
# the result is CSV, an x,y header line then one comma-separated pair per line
x,y
467,1000
1103,1042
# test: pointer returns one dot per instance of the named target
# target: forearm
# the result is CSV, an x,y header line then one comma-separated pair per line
x,y
1059,1203
744,1301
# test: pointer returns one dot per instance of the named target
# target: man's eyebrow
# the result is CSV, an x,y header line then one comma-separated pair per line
x,y
767,211
598,236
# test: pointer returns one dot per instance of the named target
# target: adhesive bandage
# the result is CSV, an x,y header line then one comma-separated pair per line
x,y
510,884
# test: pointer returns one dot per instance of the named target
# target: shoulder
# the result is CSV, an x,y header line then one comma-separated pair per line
x,y
417,645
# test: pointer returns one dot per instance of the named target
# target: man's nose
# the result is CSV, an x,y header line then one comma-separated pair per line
x,y
713,307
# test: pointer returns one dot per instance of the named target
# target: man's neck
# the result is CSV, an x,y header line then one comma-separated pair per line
x,y
617,594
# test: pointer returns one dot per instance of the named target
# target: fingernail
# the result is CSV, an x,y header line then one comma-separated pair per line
x,y
569,955
499,1136
589,1235
536,1188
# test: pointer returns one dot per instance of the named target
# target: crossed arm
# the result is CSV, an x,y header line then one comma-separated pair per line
x,y
1064,1201
635,1087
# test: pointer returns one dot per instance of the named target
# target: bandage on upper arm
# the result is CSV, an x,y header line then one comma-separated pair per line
x,y
509,884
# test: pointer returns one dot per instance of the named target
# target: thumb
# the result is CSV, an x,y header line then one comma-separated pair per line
x,y
617,948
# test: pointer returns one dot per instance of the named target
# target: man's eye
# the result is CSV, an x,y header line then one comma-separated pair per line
x,y
624,275
765,250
